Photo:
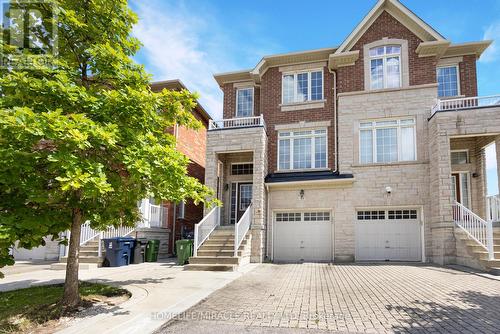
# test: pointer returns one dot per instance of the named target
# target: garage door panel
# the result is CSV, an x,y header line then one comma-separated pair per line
x,y
384,239
302,241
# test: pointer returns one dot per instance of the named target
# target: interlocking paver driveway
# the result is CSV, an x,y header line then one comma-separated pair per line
x,y
367,298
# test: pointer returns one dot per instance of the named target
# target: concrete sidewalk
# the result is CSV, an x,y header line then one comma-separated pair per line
x,y
159,291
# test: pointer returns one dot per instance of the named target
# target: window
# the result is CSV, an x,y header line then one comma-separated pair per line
x,y
244,102
316,216
402,214
447,78
371,215
288,217
181,210
387,141
385,67
306,216
459,157
245,196
302,87
242,169
302,149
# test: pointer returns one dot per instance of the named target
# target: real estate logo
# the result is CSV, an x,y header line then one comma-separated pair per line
x,y
29,34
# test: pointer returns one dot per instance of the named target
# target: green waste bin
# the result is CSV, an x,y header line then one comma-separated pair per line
x,y
152,249
184,250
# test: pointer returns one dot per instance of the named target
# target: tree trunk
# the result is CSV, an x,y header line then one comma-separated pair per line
x,y
71,296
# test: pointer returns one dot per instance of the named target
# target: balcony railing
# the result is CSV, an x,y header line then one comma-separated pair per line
x,y
466,103
155,216
234,123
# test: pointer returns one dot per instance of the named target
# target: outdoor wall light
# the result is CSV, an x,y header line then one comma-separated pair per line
x,y
474,175
301,193
388,190
226,187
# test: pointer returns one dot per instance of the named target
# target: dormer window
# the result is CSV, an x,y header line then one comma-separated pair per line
x,y
385,67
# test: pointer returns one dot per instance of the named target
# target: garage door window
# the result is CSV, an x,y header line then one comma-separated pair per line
x,y
306,216
402,214
371,215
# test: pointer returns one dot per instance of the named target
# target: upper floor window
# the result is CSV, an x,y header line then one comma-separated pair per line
x,y
385,67
447,78
244,102
302,149
387,141
459,157
302,87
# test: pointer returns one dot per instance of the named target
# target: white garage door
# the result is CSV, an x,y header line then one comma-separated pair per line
x,y
388,235
302,236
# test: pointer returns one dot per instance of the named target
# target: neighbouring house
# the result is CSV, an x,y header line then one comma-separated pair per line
x,y
168,221
369,151
165,221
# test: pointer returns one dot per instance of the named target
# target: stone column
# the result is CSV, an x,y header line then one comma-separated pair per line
x,y
441,220
497,144
480,198
258,226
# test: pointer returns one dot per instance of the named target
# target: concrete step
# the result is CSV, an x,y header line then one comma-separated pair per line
x,y
89,248
214,260
89,253
483,255
477,248
210,267
85,259
214,247
223,232
491,264
219,252
81,266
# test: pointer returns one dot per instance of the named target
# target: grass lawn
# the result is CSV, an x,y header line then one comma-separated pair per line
x,y
25,309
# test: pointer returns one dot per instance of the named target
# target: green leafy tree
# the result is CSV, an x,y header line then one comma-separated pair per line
x,y
86,139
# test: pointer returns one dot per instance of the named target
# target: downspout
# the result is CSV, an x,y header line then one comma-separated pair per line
x,y
176,135
335,125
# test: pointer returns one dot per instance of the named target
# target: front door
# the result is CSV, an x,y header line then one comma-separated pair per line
x,y
460,188
244,198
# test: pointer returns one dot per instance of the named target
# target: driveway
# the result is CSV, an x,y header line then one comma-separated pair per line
x,y
158,289
365,298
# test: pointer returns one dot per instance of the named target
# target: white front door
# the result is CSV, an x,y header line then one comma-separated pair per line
x,y
388,235
302,236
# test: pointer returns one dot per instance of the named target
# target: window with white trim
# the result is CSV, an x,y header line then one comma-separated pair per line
x,y
305,149
244,102
387,141
319,216
447,78
302,87
385,67
459,157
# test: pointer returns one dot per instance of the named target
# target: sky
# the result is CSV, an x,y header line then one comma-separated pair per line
x,y
193,39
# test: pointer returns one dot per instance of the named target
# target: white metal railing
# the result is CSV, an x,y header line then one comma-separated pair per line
x,y
155,217
241,228
205,227
493,208
88,234
232,123
466,103
476,228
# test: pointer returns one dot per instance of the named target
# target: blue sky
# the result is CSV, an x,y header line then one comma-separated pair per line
x,y
192,40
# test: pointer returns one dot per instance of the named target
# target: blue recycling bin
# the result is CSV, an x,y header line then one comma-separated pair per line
x,y
118,251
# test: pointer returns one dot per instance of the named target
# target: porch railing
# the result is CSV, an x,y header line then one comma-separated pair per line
x,y
155,217
466,103
88,234
205,227
475,227
493,208
241,228
233,123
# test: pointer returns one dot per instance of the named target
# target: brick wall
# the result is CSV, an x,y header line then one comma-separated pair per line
x,y
468,76
422,70
270,99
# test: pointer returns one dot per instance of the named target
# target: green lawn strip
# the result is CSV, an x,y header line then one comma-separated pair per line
x,y
23,309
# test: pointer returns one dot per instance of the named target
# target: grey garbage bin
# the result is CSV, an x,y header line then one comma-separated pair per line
x,y
139,250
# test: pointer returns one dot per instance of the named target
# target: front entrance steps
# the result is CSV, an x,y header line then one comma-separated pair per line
x,y
88,258
478,254
217,252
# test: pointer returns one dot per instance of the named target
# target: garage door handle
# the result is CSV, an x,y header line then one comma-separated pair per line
x,y
387,247
302,247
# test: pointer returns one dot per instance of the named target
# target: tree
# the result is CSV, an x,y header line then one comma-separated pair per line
x,y
85,139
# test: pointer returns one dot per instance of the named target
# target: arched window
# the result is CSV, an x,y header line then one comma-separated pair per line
x,y
385,67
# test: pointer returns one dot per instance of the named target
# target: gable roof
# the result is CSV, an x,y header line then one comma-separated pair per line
x,y
395,8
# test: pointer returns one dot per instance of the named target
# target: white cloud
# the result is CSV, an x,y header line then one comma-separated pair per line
x,y
493,52
191,45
